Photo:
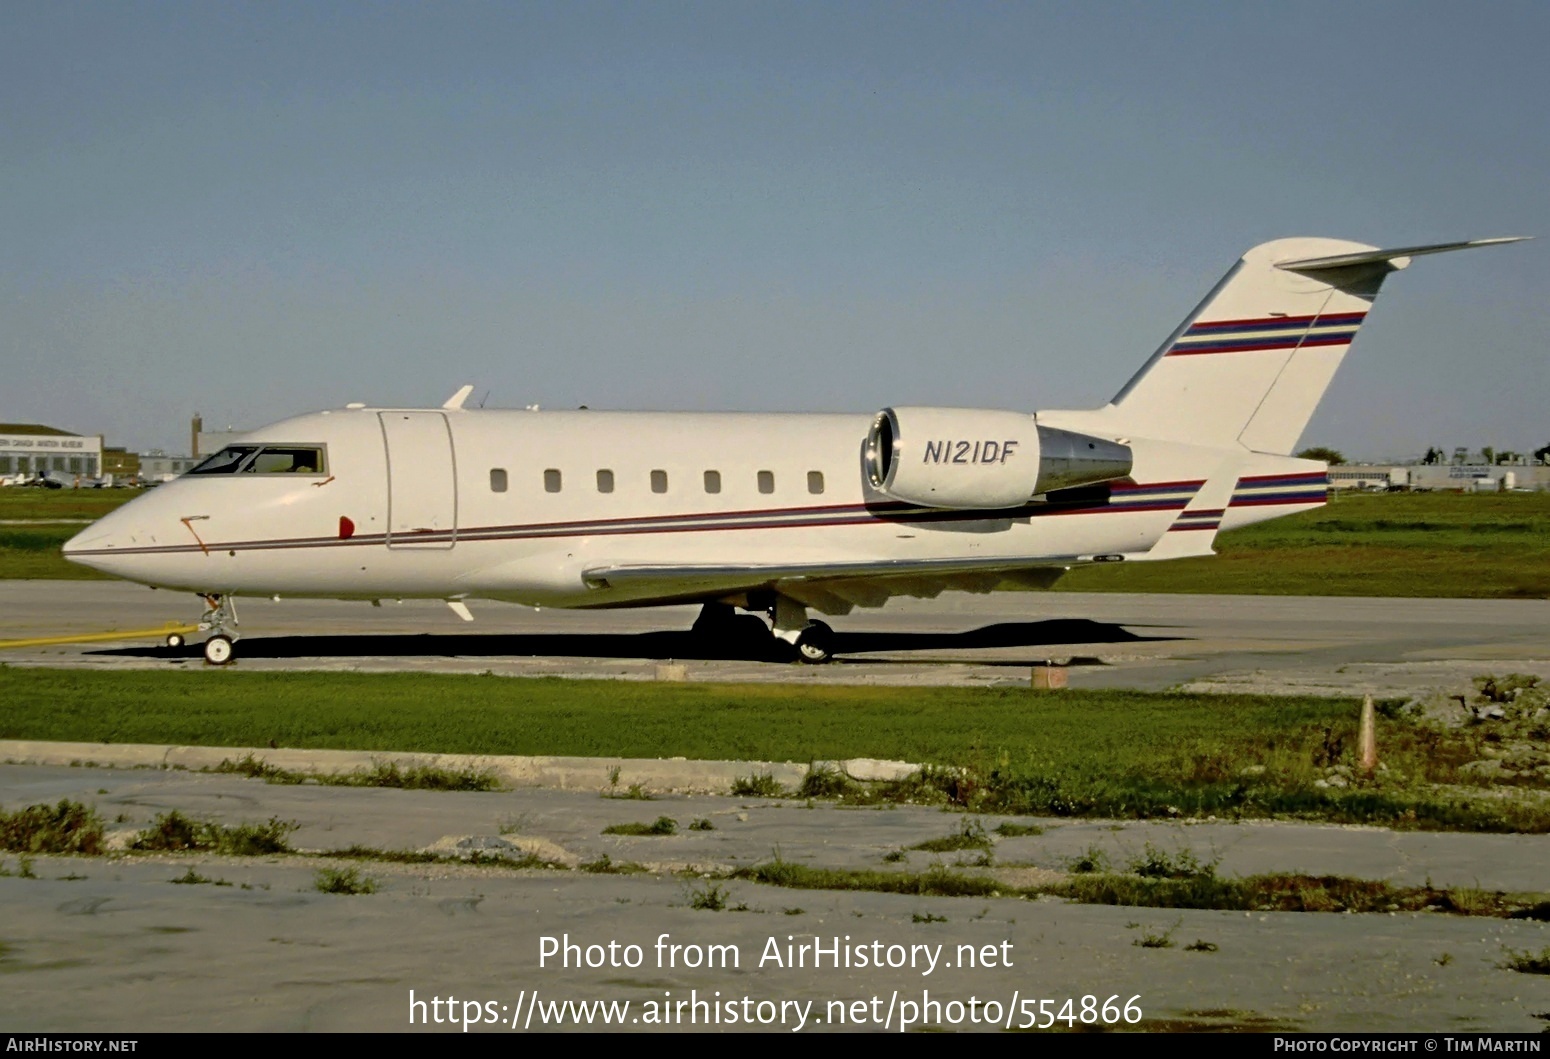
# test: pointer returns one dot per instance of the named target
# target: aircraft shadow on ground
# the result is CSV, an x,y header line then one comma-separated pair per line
x,y
679,645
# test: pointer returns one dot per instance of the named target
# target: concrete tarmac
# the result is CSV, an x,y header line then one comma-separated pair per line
x,y
112,944
109,943
1316,645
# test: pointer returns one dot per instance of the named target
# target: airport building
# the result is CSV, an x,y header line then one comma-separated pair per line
x,y
30,448
120,463
157,466
1457,477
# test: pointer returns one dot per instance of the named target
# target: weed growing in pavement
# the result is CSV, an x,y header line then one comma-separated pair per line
x,y
708,897
970,835
633,793
68,827
381,774
1155,863
824,780
1009,829
663,825
193,878
759,785
343,881
1153,940
606,865
1528,962
1090,861
172,832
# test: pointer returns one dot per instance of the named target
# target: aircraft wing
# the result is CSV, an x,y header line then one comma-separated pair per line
x,y
835,587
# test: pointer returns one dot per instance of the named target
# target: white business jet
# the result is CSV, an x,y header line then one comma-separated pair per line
x,y
776,514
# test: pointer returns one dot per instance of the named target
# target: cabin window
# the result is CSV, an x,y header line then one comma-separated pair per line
x,y
815,482
551,481
713,481
659,481
766,481
497,479
605,481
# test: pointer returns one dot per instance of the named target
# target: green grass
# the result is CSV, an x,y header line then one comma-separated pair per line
x,y
33,551
1387,544
991,750
446,713
1493,545
1203,889
45,504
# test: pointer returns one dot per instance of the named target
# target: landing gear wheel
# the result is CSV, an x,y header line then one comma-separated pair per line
x,y
816,644
218,650
174,640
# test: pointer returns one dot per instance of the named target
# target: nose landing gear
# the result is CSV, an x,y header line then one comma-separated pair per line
x,y
220,621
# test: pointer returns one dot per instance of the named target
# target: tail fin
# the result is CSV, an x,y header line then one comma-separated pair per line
x,y
1251,363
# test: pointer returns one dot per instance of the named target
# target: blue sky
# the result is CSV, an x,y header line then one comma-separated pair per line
x,y
257,210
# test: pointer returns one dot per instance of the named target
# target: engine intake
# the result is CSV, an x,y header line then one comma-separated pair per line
x,y
972,458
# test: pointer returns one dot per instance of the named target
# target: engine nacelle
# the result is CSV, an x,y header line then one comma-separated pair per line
x,y
971,458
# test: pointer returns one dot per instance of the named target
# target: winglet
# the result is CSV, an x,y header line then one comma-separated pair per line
x,y
456,400
1397,258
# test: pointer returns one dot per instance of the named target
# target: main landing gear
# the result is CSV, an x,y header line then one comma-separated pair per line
x,y
220,621
812,640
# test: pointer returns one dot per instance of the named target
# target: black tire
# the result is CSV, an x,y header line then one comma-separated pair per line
x,y
219,650
816,644
175,639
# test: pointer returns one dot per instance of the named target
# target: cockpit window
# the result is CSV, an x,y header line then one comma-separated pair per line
x,y
268,459
286,459
226,461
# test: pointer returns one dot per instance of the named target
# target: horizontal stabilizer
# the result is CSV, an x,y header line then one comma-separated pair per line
x,y
1398,257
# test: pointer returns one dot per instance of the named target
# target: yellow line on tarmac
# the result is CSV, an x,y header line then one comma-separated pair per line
x,y
99,637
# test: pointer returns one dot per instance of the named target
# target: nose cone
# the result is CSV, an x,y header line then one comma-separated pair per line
x,y
92,547
110,543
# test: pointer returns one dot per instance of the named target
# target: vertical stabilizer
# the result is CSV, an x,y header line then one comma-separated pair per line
x,y
1249,366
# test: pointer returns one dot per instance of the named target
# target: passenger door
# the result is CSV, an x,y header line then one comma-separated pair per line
x,y
422,480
